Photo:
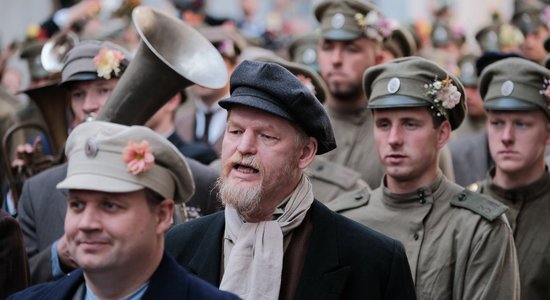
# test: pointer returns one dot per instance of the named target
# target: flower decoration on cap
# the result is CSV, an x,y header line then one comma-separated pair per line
x,y
376,26
138,156
107,62
546,91
306,81
444,94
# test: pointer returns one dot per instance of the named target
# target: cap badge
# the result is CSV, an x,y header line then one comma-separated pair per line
x,y
309,56
338,21
393,85
91,148
107,62
138,156
445,95
507,88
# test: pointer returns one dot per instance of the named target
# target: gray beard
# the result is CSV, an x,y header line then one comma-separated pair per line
x,y
244,200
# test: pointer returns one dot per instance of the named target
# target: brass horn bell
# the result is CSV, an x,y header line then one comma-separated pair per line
x,y
54,50
171,56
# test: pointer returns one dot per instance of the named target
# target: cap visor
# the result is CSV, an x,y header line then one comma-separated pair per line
x,y
509,104
393,101
256,102
99,183
340,35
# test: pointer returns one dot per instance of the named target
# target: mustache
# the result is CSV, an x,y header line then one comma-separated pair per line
x,y
246,160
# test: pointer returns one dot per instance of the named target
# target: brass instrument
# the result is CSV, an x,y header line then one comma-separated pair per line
x,y
54,50
171,56
51,100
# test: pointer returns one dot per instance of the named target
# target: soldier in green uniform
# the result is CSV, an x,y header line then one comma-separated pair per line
x,y
352,33
458,243
517,99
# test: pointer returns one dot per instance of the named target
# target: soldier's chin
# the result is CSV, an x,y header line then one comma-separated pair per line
x,y
344,95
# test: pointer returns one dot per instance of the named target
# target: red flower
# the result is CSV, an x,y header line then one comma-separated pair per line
x,y
138,157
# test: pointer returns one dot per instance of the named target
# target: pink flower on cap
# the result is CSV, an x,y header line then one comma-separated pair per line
x,y
138,157
108,61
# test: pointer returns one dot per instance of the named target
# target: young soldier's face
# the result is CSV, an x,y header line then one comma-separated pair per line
x,y
407,142
342,64
517,140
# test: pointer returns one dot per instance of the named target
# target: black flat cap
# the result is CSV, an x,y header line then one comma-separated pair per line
x,y
272,88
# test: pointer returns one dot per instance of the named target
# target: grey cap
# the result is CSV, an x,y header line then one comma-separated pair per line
x,y
113,158
528,19
272,88
467,70
347,19
303,50
92,60
515,84
415,82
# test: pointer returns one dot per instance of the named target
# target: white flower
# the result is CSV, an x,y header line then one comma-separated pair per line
x,y
450,96
437,85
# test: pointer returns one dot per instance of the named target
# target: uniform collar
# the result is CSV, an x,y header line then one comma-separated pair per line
x,y
422,195
528,192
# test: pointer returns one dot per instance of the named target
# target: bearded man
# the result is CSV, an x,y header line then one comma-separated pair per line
x,y
274,240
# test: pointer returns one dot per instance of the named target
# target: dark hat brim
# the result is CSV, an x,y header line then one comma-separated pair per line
x,y
84,76
509,104
396,101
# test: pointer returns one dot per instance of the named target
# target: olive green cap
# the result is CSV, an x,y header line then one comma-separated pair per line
x,y
303,50
468,70
415,82
401,43
515,84
339,20
488,38
309,77
528,19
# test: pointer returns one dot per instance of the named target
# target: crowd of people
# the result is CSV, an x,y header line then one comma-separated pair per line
x,y
177,155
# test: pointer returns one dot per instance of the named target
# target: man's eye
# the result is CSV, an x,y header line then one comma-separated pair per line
x,y
110,206
76,205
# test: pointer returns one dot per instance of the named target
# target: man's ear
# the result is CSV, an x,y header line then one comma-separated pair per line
x,y
547,139
444,133
165,215
307,153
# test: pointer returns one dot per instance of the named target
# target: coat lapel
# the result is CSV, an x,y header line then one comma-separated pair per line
x,y
206,262
323,277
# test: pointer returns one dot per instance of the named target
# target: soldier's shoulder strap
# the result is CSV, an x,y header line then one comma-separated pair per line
x,y
334,173
350,200
487,208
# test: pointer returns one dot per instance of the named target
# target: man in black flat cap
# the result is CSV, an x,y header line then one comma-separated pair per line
x,y
274,240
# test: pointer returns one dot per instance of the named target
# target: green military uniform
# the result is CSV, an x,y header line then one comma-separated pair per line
x,y
513,84
458,243
354,129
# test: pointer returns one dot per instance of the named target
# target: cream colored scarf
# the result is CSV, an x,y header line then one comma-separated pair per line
x,y
254,268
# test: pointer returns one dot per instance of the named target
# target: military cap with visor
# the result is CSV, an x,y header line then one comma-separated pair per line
x,y
515,84
351,19
416,82
529,19
271,88
93,60
114,158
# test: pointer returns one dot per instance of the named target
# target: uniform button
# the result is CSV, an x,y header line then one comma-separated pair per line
x,y
422,201
358,197
461,197
416,236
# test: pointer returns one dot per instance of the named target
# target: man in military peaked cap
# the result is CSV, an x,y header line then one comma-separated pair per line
x,y
274,237
123,184
352,33
517,99
458,243
533,23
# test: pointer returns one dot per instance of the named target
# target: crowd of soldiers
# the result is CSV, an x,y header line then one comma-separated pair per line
x,y
175,156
